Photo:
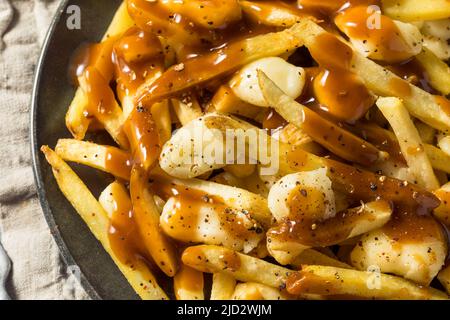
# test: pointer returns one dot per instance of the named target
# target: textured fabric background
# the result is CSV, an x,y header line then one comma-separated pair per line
x,y
37,269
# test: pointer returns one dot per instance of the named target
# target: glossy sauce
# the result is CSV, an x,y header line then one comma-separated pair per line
x,y
273,121
408,227
342,94
386,37
228,259
338,90
119,162
337,140
369,187
412,71
123,235
400,86
137,56
96,55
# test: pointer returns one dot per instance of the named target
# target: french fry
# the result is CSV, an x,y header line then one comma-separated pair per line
x,y
444,278
106,158
410,142
314,257
223,286
187,108
139,276
226,101
420,104
143,133
176,80
111,117
275,14
252,183
113,193
339,141
188,284
239,199
76,121
444,144
296,137
213,259
438,158
443,211
258,291
412,10
161,114
147,218
437,70
337,281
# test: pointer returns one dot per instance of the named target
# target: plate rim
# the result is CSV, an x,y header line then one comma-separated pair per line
x,y
64,252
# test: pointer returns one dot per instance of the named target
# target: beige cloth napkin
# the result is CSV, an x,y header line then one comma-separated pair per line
x,y
37,269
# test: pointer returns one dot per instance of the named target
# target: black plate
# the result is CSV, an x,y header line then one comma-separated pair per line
x,y
52,94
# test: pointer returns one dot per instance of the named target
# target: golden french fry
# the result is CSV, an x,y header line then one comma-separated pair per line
x,y
444,278
437,70
410,142
371,285
444,144
143,134
258,291
324,132
223,286
106,158
226,101
438,158
161,115
213,259
277,14
412,10
147,218
443,211
187,108
188,284
181,78
139,276
103,107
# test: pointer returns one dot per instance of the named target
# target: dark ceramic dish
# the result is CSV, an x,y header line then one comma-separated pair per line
x,y
51,96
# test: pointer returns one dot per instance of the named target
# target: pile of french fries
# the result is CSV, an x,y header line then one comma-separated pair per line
x,y
330,223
